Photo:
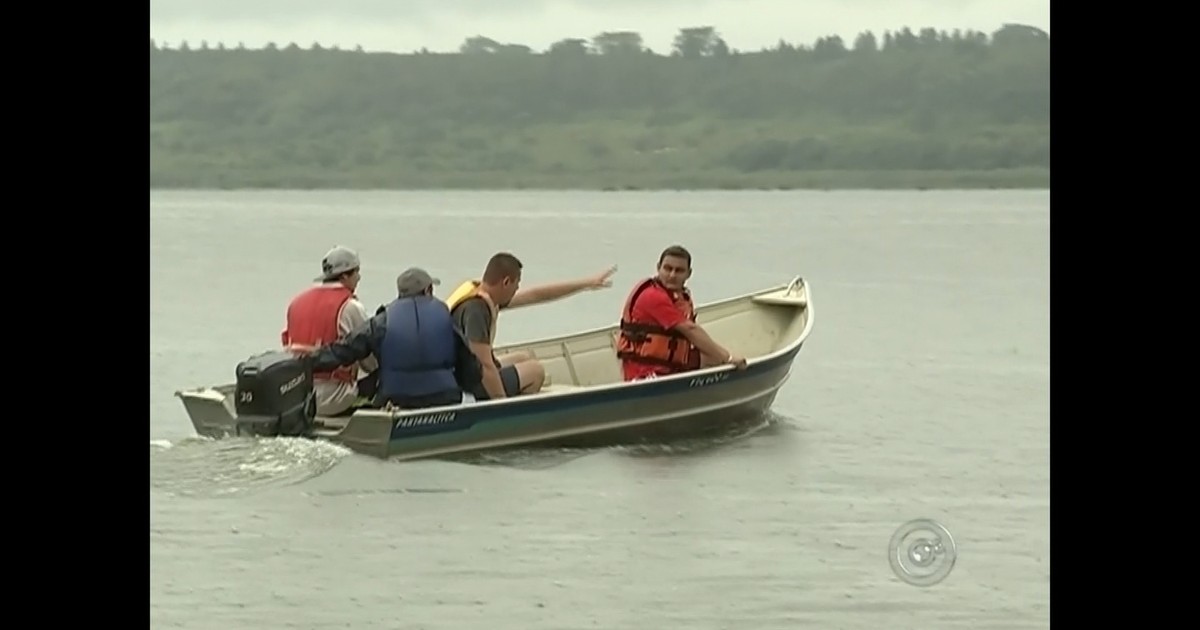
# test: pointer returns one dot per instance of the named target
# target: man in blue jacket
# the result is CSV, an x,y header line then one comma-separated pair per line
x,y
424,360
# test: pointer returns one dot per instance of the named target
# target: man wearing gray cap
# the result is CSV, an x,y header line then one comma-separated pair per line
x,y
424,361
415,281
323,313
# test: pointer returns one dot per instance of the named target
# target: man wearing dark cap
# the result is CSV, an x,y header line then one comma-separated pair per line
x,y
424,361
323,313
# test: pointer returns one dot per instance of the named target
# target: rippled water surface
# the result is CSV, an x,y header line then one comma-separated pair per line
x,y
923,393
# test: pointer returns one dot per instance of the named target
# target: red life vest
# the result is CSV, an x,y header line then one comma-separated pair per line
x,y
312,320
644,341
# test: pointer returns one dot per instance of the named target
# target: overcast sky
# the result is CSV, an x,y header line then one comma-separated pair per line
x,y
408,25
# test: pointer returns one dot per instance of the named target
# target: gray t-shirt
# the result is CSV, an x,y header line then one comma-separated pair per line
x,y
474,319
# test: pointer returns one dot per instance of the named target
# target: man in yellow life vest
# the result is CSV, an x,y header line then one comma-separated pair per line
x,y
475,306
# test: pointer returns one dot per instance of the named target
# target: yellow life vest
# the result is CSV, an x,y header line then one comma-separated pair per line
x,y
468,290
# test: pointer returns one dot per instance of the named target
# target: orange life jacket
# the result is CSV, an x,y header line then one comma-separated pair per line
x,y
312,320
644,341
468,290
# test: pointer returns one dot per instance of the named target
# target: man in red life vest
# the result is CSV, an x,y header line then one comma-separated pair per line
x,y
659,334
324,313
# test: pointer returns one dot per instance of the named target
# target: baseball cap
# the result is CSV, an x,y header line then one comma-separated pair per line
x,y
337,261
413,281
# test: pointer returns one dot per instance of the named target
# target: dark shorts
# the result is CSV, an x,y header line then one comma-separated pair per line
x,y
368,385
510,379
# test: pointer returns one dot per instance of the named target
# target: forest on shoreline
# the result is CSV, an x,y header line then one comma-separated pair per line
x,y
903,109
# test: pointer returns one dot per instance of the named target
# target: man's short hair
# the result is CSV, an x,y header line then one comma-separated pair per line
x,y
501,266
676,251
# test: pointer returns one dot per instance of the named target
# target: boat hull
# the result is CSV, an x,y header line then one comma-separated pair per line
x,y
646,411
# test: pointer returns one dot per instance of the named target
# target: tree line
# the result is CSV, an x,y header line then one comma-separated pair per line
x,y
926,107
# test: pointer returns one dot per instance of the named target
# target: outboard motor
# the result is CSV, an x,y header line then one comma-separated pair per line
x,y
274,396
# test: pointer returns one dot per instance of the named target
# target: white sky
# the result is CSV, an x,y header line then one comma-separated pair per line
x,y
441,25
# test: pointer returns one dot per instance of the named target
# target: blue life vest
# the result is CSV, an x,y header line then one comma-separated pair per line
x,y
418,353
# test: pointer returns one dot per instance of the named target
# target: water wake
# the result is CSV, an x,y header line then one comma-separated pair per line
x,y
204,467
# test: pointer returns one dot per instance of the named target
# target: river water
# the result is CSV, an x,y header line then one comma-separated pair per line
x,y
923,392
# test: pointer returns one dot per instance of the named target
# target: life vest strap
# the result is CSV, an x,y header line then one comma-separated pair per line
x,y
641,331
639,358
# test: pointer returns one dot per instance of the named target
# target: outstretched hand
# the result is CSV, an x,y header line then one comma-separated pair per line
x,y
602,280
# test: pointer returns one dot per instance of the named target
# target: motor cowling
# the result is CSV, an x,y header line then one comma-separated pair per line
x,y
274,396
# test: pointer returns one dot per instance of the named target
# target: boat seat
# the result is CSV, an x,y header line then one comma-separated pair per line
x,y
331,423
781,298
558,388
